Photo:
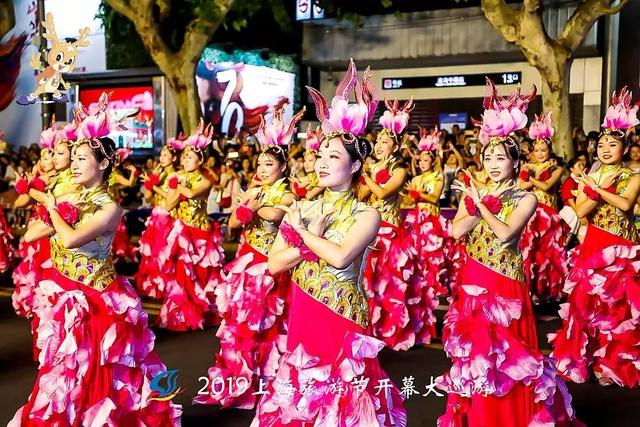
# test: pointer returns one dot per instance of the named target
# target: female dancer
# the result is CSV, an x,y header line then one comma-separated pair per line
x,y
390,265
251,301
307,187
96,349
153,247
499,377
600,327
542,243
323,242
430,232
193,269
55,162
123,250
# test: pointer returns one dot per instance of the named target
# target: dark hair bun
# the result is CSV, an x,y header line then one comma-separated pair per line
x,y
363,147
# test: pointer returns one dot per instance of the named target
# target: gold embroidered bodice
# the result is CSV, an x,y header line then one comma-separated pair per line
x,y
389,207
339,289
426,183
192,212
91,263
261,233
606,216
487,249
157,199
313,181
548,198
62,183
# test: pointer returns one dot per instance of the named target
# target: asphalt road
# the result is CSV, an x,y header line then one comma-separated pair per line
x,y
192,353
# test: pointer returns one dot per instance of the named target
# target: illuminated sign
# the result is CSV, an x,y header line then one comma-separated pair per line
x,y
308,9
139,133
452,80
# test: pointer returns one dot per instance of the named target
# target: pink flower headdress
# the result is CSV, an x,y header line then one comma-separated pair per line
x,y
50,136
541,128
123,153
277,133
621,115
99,124
177,143
342,116
395,119
346,120
314,138
429,140
199,138
503,115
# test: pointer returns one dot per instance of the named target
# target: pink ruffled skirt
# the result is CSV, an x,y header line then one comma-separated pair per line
x,y
498,377
543,253
389,271
253,332
332,378
601,319
96,360
155,249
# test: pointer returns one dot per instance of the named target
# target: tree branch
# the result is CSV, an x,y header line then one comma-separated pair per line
x,y
583,18
502,18
201,29
615,9
123,8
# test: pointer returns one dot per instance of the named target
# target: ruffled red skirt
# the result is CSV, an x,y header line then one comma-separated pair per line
x,y
429,233
389,269
7,251
543,253
331,378
253,333
191,275
601,319
498,377
121,247
96,360
155,249
36,258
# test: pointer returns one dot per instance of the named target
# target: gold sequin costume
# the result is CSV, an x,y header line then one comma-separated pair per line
x,y
261,233
606,216
427,184
62,183
89,264
192,212
487,249
389,207
157,199
549,197
339,289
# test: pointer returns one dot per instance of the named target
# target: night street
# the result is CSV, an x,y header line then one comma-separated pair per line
x,y
192,352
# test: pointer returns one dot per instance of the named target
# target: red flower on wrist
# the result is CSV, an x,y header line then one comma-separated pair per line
x,y
308,255
22,187
524,175
591,193
69,212
471,207
173,182
37,184
612,189
466,180
42,214
300,191
148,185
291,235
136,172
415,195
545,175
244,214
154,179
492,203
382,176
